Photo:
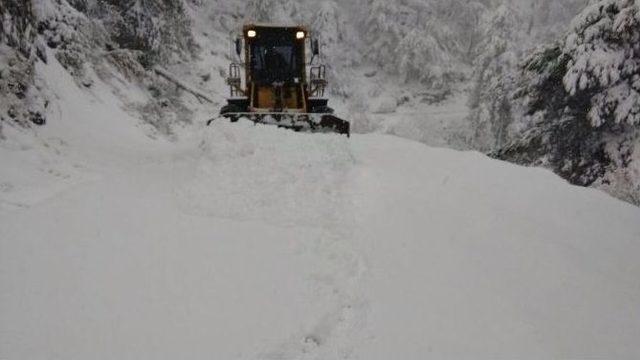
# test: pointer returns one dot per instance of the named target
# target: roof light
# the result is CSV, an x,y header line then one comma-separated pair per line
x,y
252,33
300,35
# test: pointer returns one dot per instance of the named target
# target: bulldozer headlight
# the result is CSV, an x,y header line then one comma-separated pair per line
x,y
252,33
300,35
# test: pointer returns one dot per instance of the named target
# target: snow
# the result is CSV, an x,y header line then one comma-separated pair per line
x,y
242,241
384,105
496,262
303,187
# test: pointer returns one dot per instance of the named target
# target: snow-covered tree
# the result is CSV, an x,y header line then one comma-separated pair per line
x,y
459,25
273,11
421,57
259,10
603,53
17,24
419,41
593,75
548,18
383,31
493,80
160,29
329,26
20,101
328,23
583,97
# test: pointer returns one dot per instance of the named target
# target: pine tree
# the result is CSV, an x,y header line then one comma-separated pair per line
x,y
260,10
490,100
416,40
19,103
329,24
603,52
550,17
423,58
159,29
459,25
582,97
17,25
382,32
273,11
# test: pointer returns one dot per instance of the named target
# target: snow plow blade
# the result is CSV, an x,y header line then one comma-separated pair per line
x,y
301,122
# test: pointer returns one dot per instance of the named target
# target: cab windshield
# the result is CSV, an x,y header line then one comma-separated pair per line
x,y
274,63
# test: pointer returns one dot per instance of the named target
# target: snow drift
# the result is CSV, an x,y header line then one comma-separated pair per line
x,y
258,242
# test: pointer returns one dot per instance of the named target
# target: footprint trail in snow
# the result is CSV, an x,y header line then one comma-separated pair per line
x,y
247,172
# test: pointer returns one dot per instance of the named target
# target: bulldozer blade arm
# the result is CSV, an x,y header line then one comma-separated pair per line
x,y
336,124
301,122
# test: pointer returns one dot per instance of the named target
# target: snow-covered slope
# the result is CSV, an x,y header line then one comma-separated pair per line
x,y
252,242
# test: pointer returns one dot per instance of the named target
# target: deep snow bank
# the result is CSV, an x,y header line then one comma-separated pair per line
x,y
264,243
472,258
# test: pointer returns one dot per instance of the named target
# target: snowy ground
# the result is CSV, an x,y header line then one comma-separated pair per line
x,y
252,242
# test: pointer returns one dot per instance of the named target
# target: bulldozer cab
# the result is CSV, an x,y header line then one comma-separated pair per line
x,y
276,56
275,71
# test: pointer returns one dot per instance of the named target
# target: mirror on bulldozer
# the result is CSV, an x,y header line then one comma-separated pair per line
x,y
238,44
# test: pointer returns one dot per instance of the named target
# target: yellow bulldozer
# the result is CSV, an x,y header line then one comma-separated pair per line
x,y
283,84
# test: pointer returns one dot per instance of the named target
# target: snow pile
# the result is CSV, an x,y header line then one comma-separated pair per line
x,y
497,261
247,171
372,247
